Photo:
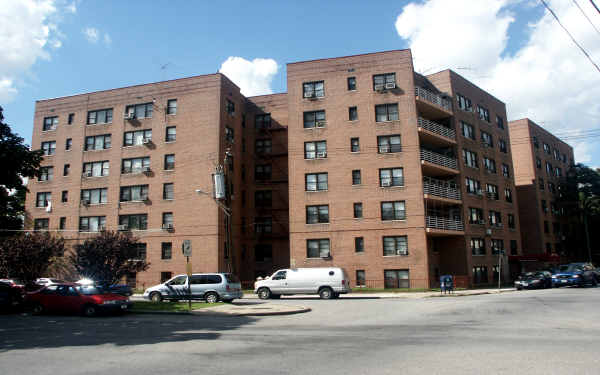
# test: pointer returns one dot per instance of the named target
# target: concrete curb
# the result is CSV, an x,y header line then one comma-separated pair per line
x,y
290,310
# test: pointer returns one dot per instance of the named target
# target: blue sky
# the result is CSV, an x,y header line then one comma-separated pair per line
x,y
64,47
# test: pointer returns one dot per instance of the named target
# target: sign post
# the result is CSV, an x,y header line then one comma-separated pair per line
x,y
186,248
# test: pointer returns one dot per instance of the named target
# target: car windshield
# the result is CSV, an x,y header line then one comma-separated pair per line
x,y
564,268
527,275
91,290
232,278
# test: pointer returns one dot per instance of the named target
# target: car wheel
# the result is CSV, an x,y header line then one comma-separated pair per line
x,y
326,293
89,310
37,309
156,297
264,293
211,297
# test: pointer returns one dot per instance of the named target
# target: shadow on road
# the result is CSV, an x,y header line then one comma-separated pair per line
x,y
53,331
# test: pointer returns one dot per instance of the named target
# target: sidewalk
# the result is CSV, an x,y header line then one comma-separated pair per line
x,y
412,295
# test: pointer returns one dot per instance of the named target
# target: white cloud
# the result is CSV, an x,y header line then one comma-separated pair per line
x,y
253,77
91,34
72,8
548,79
28,29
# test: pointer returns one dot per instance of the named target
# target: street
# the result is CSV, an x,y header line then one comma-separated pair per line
x,y
534,332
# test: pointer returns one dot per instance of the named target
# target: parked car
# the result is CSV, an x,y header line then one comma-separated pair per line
x,y
575,274
48,281
13,282
327,282
74,298
122,289
534,280
211,287
11,296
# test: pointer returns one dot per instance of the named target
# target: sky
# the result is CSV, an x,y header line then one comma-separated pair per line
x,y
513,49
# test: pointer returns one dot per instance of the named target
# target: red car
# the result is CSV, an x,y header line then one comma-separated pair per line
x,y
74,298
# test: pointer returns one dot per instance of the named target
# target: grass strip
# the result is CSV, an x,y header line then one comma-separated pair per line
x,y
170,306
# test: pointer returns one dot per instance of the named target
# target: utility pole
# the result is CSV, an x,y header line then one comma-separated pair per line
x,y
499,266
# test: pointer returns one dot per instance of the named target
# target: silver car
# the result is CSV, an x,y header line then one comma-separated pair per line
x,y
211,287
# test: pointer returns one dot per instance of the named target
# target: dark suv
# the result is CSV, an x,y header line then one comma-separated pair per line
x,y
576,274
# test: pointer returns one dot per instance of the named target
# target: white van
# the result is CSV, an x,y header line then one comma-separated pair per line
x,y
327,282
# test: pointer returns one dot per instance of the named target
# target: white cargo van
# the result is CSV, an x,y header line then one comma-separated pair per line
x,y
327,282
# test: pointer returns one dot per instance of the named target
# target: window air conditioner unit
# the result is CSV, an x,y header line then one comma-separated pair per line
x,y
490,195
390,85
122,227
147,141
320,124
87,174
380,87
85,202
146,170
479,192
385,183
384,149
130,116
499,225
321,154
48,206
309,94
167,226
481,222
488,232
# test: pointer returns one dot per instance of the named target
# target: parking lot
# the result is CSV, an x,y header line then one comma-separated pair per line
x,y
540,331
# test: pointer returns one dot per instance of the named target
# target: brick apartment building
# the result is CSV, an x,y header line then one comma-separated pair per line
x,y
362,164
540,161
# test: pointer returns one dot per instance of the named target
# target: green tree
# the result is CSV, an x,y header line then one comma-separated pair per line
x,y
28,256
108,257
17,161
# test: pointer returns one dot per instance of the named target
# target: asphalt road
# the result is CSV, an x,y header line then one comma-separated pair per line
x,y
531,332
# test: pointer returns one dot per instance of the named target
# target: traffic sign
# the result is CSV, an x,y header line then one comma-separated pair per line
x,y
187,248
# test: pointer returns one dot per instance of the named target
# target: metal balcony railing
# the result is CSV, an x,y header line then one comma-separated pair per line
x,y
444,223
436,128
441,188
433,98
439,159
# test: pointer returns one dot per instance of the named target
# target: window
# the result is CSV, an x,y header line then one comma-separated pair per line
x,y
172,107
315,150
97,142
358,210
135,165
536,144
490,165
95,169
167,220
71,118
546,148
386,112
43,199
558,172
165,276
502,146
497,246
318,248
229,134
314,119
359,244
546,227
500,122
483,113
62,224
538,163
262,172
263,253
102,116
395,279
169,190
393,210
94,196
50,123
262,121
41,224
169,162
356,179
468,131
480,274
486,139
316,181
317,214
470,158
136,222
391,177
139,111
551,187
263,225
140,251
263,198
313,89
548,169
544,206
360,278
134,193
505,170
354,145
492,191
495,218
351,83
388,143
511,221
513,247
46,174
229,107
171,135
352,113
384,81
477,246
263,146
69,144
395,245
508,195
137,138
473,186
49,148
476,216
464,103
92,223
66,169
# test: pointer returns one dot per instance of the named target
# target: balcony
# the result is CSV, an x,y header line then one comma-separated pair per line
x,y
443,191
432,105
436,164
434,133
443,226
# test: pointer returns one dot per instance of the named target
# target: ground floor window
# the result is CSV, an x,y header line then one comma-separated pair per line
x,y
480,275
396,279
165,276
360,278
